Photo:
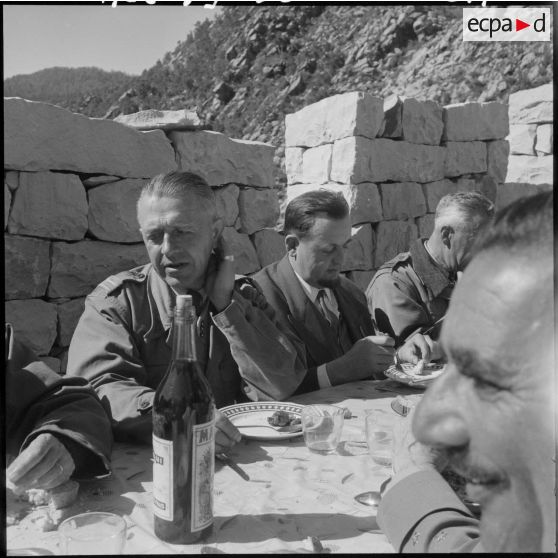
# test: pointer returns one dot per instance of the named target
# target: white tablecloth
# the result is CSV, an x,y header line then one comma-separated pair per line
x,y
292,493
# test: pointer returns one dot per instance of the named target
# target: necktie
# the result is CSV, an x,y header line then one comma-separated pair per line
x,y
327,313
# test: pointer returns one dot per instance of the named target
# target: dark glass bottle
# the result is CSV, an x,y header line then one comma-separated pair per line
x,y
183,439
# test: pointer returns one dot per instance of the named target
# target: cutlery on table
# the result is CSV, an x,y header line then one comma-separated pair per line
x,y
224,458
370,498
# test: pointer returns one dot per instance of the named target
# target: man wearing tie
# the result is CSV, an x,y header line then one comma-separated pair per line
x,y
324,314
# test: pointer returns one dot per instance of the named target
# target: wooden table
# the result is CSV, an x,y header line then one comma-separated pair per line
x,y
292,493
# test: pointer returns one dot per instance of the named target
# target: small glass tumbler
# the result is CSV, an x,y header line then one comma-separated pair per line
x,y
92,533
322,426
379,435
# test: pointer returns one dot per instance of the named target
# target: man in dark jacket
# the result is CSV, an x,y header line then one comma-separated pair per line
x,y
56,427
324,314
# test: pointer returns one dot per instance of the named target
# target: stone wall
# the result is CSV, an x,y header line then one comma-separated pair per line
x,y
71,184
531,115
393,160
70,188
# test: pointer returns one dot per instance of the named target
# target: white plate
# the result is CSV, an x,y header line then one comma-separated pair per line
x,y
403,373
257,413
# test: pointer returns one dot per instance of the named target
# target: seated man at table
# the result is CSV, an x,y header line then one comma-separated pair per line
x,y
491,415
56,427
412,290
318,307
122,343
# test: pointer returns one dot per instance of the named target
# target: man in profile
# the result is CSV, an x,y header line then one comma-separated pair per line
x,y
122,343
324,314
411,291
491,415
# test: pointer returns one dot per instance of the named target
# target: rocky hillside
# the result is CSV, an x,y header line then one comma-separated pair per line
x,y
89,90
253,64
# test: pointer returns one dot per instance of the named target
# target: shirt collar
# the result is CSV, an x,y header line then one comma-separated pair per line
x,y
311,291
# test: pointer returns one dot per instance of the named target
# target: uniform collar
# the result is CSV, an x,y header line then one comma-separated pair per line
x,y
433,275
164,298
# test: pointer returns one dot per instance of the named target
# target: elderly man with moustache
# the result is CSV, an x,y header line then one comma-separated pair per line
x,y
491,415
323,313
122,343
411,291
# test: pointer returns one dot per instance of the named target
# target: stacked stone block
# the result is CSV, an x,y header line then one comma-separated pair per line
x,y
71,185
393,160
530,165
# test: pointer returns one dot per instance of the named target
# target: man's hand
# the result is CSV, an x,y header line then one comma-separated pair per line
x,y
369,356
44,463
226,433
419,347
220,278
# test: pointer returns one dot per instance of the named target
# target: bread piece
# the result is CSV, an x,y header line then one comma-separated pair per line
x,y
63,495
59,497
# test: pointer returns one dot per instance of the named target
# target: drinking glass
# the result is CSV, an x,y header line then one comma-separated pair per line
x,y
322,426
92,533
379,435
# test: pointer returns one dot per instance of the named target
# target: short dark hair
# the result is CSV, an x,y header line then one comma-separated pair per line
x,y
526,225
301,212
472,205
179,184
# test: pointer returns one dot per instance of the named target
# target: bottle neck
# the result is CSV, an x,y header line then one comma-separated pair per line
x,y
184,336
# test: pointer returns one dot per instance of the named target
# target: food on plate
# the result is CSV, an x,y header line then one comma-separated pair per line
x,y
418,368
282,418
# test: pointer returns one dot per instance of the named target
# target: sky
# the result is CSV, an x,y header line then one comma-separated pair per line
x,y
129,38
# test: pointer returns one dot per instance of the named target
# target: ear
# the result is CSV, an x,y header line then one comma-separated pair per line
x,y
217,230
446,235
291,243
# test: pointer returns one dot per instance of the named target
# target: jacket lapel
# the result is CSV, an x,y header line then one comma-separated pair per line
x,y
312,328
353,314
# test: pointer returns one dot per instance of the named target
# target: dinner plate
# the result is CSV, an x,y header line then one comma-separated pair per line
x,y
257,413
404,374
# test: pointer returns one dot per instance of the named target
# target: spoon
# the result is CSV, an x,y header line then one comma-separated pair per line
x,y
370,498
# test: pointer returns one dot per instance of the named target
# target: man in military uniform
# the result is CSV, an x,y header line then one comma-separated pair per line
x,y
412,291
491,415
122,343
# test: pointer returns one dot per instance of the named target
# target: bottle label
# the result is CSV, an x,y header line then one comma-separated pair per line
x,y
203,466
163,504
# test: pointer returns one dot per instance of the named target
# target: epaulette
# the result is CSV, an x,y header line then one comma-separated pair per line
x,y
115,282
403,257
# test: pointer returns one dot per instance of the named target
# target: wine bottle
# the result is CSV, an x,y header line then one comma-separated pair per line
x,y
183,439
